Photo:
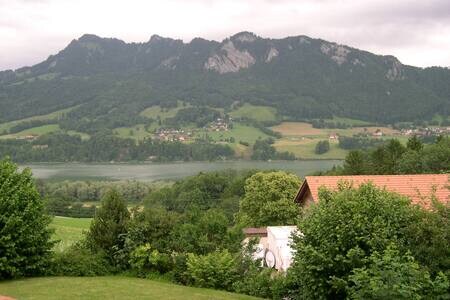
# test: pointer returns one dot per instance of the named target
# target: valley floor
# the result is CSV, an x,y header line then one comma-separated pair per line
x,y
111,287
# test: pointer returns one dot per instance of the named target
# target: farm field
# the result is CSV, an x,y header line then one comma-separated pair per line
x,y
305,129
68,230
255,112
304,148
297,129
239,132
110,287
301,138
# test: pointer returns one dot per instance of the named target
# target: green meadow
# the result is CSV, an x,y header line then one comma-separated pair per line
x,y
109,287
68,230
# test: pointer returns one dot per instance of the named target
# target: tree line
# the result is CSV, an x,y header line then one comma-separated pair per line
x,y
392,157
103,147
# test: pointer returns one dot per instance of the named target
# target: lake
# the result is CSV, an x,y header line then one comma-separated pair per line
x,y
166,171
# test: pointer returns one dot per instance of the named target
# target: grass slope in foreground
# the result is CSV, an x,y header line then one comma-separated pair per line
x,y
111,287
68,230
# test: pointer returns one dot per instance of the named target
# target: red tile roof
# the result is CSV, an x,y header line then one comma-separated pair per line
x,y
413,186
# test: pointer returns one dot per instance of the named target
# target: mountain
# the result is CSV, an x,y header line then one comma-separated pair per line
x,y
107,82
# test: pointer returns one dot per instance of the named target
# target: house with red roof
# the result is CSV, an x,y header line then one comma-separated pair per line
x,y
417,187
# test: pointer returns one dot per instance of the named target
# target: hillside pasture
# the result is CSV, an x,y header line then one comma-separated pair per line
x,y
255,112
136,132
51,116
110,287
68,230
41,130
155,111
348,121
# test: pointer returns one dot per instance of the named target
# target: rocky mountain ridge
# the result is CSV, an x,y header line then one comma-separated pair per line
x,y
301,77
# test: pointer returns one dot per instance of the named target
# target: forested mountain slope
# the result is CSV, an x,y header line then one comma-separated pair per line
x,y
109,82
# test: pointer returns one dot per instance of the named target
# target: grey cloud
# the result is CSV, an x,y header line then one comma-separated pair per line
x,y
383,26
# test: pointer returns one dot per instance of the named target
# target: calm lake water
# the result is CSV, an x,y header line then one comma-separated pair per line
x,y
166,171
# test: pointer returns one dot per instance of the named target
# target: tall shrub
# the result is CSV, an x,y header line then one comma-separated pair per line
x,y
24,234
109,225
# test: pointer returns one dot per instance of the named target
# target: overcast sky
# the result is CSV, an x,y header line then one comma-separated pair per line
x,y
416,31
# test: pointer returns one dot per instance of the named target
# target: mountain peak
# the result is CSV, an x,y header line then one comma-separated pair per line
x,y
89,38
245,36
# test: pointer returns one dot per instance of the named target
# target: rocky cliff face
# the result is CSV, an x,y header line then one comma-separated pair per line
x,y
231,59
92,54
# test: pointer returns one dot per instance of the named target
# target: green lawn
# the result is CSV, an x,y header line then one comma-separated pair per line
x,y
255,112
111,287
68,230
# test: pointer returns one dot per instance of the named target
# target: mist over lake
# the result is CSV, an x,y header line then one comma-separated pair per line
x,y
166,171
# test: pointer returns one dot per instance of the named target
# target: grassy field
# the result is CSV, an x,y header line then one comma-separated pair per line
x,y
239,132
297,129
137,132
303,148
348,121
41,130
301,129
154,111
111,287
301,138
255,112
68,230
51,116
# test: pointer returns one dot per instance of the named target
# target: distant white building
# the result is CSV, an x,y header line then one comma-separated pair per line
x,y
273,246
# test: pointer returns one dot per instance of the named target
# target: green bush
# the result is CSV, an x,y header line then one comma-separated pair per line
x,y
145,260
268,200
214,270
255,283
24,234
79,261
109,224
341,230
391,275
179,272
322,147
